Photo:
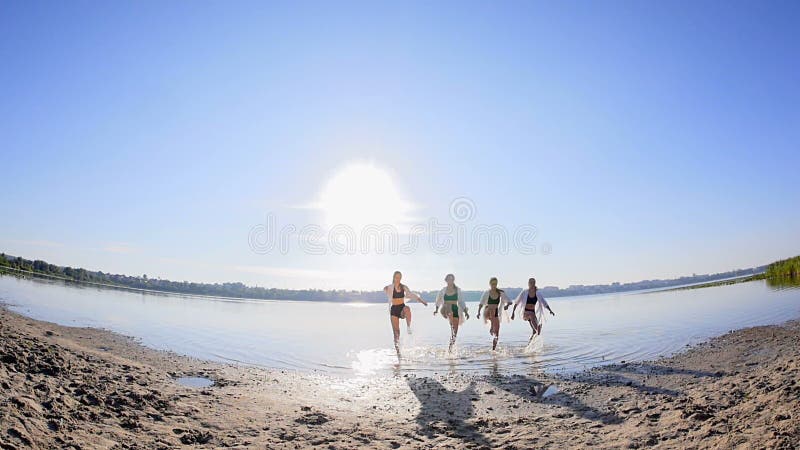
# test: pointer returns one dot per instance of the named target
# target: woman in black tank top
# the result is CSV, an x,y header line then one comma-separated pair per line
x,y
530,307
398,309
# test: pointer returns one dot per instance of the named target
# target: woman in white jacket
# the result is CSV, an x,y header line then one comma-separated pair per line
x,y
397,293
532,304
450,302
496,303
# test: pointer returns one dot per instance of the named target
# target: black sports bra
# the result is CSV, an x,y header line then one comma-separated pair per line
x,y
401,294
531,300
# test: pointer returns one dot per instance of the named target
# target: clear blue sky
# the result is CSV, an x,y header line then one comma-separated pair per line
x,y
642,139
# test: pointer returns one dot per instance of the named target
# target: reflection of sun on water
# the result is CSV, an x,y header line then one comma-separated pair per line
x,y
427,357
360,194
357,305
370,362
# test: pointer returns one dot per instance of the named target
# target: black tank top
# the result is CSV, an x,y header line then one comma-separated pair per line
x,y
401,294
531,300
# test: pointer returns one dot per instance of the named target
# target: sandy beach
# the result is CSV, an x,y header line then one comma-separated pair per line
x,y
66,387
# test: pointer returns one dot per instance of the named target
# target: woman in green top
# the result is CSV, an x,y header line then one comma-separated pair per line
x,y
496,303
450,302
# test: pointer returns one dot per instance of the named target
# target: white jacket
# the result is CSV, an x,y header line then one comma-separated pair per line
x,y
504,300
462,306
541,304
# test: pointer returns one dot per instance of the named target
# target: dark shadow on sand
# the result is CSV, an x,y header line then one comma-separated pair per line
x,y
446,412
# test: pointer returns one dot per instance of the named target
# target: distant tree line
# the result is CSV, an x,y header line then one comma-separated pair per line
x,y
239,290
42,267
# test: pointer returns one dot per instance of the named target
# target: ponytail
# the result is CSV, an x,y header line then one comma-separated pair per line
x,y
495,280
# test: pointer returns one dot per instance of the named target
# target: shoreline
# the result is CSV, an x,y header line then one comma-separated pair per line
x,y
723,282
27,274
91,388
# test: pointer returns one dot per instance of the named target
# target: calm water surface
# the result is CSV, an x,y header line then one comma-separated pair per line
x,y
356,339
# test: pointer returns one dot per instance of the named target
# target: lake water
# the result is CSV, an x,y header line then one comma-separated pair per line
x,y
356,339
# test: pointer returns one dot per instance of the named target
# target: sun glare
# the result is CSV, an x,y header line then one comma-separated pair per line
x,y
360,194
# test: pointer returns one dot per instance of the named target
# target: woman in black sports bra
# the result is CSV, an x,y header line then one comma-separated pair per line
x,y
533,305
397,292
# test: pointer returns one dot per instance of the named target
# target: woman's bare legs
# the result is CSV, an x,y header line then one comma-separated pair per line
x,y
495,331
407,314
453,331
535,327
396,330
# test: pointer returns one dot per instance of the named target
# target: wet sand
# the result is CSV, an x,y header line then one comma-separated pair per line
x,y
66,387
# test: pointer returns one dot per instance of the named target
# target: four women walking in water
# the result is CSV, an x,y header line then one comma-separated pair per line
x,y
451,304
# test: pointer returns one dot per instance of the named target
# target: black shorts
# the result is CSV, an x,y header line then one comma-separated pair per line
x,y
397,311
